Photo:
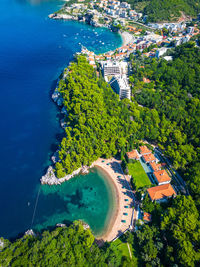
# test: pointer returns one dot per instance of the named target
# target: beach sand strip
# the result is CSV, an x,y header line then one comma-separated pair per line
x,y
121,219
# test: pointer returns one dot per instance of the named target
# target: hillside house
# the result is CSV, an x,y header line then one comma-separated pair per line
x,y
161,193
155,167
132,155
148,158
161,177
144,150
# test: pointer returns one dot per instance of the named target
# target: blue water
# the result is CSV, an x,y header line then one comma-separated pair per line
x,y
33,51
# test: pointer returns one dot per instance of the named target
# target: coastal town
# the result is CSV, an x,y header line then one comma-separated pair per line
x,y
120,185
152,40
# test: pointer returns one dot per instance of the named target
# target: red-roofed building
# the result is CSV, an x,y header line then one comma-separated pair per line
x,y
161,192
162,177
149,158
146,217
146,80
132,154
155,167
144,150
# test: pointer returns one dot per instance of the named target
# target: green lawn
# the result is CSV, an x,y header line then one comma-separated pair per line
x,y
140,178
122,247
123,250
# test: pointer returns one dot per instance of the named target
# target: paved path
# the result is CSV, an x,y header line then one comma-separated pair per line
x,y
129,250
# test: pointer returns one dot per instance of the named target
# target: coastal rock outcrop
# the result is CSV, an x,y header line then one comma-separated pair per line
x,y
1,244
61,225
85,225
63,123
55,96
30,232
61,16
55,157
51,179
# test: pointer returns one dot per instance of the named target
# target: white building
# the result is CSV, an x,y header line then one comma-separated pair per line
x,y
161,51
110,68
119,80
120,86
125,5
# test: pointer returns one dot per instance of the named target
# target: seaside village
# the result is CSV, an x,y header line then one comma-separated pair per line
x,y
147,169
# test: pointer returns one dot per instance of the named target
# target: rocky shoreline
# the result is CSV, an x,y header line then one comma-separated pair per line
x,y
87,18
50,177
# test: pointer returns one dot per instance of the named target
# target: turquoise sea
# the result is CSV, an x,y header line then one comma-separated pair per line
x,y
33,52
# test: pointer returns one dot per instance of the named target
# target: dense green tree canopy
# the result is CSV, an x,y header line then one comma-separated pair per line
x,y
166,10
68,246
171,108
97,122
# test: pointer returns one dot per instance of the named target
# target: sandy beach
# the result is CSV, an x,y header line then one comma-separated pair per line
x,y
126,38
121,218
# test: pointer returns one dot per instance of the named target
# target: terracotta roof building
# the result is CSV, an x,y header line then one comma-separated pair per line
x,y
132,154
146,217
161,192
155,167
144,150
146,80
162,177
149,158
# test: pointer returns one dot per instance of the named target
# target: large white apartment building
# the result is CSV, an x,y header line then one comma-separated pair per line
x,y
120,85
119,80
110,68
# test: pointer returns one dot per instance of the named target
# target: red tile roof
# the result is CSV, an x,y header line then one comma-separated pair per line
x,y
132,154
144,150
146,80
147,217
162,176
161,191
155,167
149,158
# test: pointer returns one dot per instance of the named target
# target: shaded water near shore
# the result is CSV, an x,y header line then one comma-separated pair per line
x,y
33,52
87,197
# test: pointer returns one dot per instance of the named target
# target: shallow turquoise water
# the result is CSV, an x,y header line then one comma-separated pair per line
x,y
33,52
87,197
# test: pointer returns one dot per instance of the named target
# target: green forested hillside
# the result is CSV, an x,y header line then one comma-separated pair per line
x,y
166,10
98,123
172,238
68,246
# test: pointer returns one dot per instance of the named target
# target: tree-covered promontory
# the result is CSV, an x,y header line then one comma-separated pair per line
x,y
98,123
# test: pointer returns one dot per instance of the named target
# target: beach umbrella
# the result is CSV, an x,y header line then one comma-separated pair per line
x,y
125,213
123,221
126,199
126,207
